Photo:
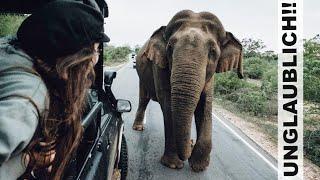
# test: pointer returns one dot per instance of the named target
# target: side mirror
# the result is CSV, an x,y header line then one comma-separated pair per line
x,y
123,105
109,76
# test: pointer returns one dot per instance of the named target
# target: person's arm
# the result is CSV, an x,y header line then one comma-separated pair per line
x,y
18,122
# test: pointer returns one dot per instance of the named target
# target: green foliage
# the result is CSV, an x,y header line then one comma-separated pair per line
x,y
258,101
312,47
269,56
311,92
10,24
114,55
270,82
226,83
312,145
254,102
254,67
252,47
311,88
269,87
247,97
311,75
137,49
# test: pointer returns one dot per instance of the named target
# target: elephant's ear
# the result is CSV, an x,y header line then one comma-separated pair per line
x,y
231,55
156,48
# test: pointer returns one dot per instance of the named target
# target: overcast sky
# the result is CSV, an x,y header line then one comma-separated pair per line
x,y
132,22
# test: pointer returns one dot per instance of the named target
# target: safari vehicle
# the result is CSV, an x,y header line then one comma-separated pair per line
x,y
102,153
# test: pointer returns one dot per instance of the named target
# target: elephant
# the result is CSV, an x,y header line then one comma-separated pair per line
x,y
176,68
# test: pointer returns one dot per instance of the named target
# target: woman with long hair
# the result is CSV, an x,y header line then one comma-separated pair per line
x,y
45,73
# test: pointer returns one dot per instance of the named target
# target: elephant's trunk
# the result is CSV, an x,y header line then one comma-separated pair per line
x,y
187,81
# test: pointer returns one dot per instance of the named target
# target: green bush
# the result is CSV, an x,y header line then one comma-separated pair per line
x,y
137,49
311,92
10,24
270,82
254,67
311,88
250,97
247,97
312,145
311,75
262,101
270,56
114,55
253,102
226,83
312,48
311,80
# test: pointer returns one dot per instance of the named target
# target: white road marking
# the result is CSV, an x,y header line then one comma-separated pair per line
x,y
145,118
246,143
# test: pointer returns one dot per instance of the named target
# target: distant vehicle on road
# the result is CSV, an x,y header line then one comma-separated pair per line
x,y
133,57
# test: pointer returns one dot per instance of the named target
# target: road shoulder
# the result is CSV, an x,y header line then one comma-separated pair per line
x,y
251,130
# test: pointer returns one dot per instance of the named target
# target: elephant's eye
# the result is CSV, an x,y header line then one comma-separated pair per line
x,y
169,50
212,53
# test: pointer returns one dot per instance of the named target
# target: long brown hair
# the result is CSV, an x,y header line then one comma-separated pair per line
x,y
59,127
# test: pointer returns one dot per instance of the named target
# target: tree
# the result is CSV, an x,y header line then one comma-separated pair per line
x,y
270,55
312,47
252,47
137,48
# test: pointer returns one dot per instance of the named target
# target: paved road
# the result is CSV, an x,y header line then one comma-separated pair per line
x,y
234,156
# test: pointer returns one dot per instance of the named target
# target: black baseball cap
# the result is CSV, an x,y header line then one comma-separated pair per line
x,y
61,28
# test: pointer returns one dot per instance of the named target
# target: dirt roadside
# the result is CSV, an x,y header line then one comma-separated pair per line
x,y
311,171
114,67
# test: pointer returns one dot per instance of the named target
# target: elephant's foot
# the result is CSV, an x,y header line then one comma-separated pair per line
x,y
172,161
138,126
200,157
199,164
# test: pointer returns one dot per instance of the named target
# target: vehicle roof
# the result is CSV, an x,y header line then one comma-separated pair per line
x,y
29,6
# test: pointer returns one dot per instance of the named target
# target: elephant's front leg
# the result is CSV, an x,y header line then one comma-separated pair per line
x,y
200,156
143,102
170,157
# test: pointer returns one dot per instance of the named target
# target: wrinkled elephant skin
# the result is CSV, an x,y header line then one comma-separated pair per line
x,y
176,67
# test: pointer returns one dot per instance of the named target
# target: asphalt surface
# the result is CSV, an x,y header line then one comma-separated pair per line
x,y
233,156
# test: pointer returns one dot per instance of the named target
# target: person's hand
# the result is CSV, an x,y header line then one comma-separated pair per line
x,y
43,159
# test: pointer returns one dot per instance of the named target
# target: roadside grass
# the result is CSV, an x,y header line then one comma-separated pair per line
x,y
312,131
312,145
115,62
268,125
255,98
311,95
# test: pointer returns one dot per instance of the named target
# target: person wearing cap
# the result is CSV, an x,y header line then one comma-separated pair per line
x,y
45,72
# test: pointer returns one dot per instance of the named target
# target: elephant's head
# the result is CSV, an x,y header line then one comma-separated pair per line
x,y
193,46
